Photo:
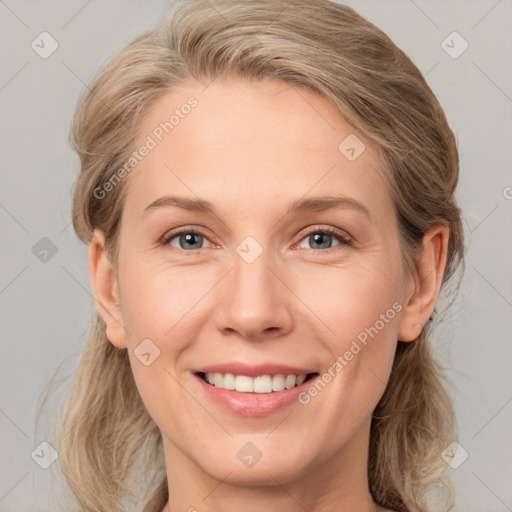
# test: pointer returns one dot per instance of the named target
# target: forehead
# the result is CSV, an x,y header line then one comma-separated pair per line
x,y
242,143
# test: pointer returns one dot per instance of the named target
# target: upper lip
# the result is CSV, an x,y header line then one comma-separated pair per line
x,y
253,370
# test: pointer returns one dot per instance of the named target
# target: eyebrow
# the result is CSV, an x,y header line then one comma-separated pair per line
x,y
299,206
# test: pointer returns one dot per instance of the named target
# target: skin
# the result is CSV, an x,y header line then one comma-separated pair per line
x,y
251,148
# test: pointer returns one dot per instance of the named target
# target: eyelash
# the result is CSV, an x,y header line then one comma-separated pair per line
x,y
343,238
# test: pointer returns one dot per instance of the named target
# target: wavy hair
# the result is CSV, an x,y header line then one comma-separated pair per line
x,y
105,430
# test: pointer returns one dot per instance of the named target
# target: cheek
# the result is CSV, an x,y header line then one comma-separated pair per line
x,y
159,300
158,310
359,310
346,301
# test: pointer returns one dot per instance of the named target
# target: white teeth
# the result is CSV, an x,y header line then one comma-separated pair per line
x,y
263,384
260,384
289,382
243,384
278,383
218,380
229,381
300,379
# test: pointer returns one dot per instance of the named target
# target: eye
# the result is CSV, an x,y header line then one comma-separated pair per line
x,y
323,239
185,240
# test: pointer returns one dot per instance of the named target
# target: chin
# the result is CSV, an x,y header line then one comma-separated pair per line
x,y
247,466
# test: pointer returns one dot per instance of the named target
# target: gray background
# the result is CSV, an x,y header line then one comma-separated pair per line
x,y
45,305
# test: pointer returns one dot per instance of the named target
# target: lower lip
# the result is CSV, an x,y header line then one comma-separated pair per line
x,y
253,404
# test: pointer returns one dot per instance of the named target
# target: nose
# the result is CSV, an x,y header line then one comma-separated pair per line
x,y
256,301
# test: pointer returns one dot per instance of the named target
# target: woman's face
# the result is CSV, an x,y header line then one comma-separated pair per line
x,y
258,239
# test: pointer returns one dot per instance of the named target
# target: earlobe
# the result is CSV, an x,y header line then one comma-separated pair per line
x,y
424,285
106,291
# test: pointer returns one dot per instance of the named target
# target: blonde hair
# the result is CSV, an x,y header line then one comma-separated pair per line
x,y
323,47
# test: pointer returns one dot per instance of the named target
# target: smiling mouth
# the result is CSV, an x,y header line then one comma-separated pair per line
x,y
260,384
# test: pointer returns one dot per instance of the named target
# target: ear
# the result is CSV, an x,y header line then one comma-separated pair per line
x,y
424,283
106,291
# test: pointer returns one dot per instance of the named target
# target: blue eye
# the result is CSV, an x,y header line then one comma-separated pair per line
x,y
324,240
187,240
